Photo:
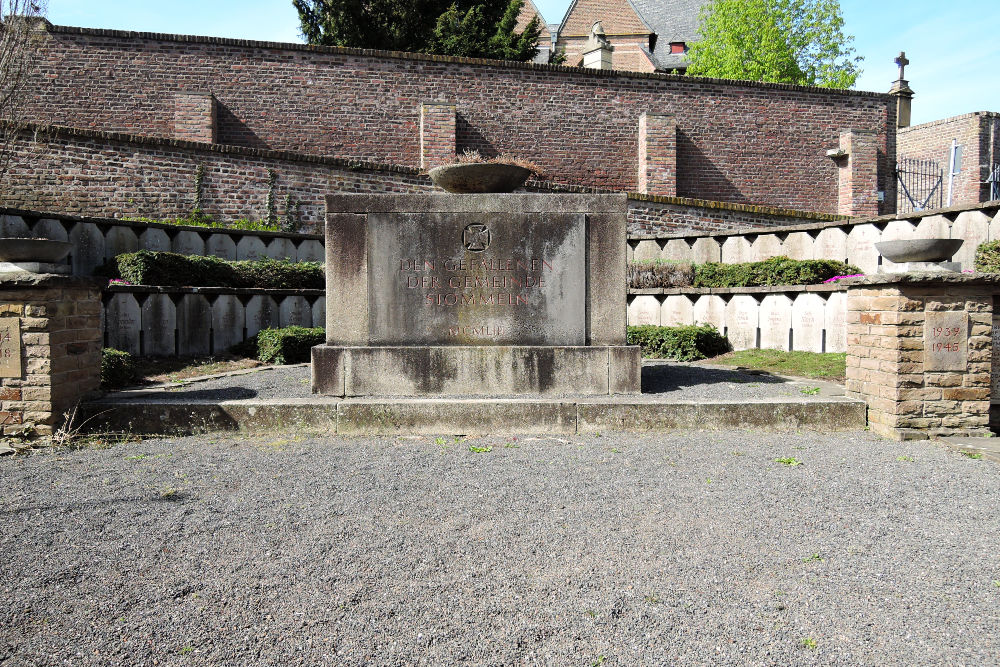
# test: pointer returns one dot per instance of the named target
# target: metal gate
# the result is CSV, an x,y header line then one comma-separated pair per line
x,y
919,185
994,181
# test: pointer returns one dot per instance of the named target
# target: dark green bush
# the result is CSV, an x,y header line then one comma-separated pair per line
x,y
644,275
290,345
684,343
774,271
117,369
988,257
171,269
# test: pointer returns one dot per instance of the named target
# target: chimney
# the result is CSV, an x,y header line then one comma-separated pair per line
x,y
597,50
903,93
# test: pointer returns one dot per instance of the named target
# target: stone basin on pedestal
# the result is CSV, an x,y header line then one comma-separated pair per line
x,y
33,255
920,254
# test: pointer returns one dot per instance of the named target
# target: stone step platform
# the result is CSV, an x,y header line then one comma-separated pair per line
x,y
469,416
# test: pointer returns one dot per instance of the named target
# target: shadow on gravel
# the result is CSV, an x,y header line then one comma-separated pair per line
x,y
663,378
220,394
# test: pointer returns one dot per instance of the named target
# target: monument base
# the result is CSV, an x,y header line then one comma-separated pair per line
x,y
924,267
486,370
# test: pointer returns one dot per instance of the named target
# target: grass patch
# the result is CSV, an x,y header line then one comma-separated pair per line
x,y
829,366
174,369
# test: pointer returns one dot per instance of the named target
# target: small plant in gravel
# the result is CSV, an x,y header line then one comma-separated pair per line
x,y
789,461
815,558
511,445
809,643
972,455
908,459
440,442
810,391
737,452
480,450
996,582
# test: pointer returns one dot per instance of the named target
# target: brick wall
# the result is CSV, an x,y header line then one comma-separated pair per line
x,y
195,117
979,136
736,142
99,174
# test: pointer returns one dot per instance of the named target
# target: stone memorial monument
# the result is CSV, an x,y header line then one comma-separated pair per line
x,y
475,295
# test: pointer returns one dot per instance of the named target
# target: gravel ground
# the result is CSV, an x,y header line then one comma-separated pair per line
x,y
662,381
686,548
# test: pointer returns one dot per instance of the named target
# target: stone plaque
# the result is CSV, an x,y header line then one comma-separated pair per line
x,y
946,341
10,347
449,278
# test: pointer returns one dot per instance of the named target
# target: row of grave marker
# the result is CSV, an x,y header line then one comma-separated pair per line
x,y
166,325
853,243
810,321
95,243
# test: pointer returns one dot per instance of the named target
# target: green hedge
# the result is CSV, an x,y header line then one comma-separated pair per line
x,y
290,345
171,269
774,271
684,343
988,257
117,369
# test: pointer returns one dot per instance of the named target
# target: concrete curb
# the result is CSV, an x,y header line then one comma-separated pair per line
x,y
392,416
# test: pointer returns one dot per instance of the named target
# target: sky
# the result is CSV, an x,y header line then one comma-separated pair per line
x,y
952,48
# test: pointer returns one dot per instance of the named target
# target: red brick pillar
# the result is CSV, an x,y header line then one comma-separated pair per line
x,y
857,161
437,134
195,117
657,155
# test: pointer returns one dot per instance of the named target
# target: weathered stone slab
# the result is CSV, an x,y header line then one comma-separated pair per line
x,y
194,326
896,230
646,250
261,313
122,323
606,277
736,250
477,278
13,226
835,322
742,314
228,321
120,240
799,245
346,279
933,227
48,228
705,250
775,322
250,247
88,248
319,312
861,247
974,227
808,318
710,309
831,243
154,240
766,246
294,311
946,341
677,250
188,243
221,245
644,310
677,310
282,249
159,325
310,251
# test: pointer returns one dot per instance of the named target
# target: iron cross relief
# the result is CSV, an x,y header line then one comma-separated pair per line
x,y
902,62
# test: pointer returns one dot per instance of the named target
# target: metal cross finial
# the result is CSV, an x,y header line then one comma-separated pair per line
x,y
902,62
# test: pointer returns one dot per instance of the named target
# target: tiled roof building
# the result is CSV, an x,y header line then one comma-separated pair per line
x,y
647,35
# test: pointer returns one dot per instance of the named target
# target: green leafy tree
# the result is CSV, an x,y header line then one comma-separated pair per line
x,y
782,41
471,28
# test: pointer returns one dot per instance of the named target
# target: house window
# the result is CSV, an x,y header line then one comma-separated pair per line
x,y
678,47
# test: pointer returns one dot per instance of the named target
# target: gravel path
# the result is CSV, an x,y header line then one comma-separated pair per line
x,y
687,548
667,381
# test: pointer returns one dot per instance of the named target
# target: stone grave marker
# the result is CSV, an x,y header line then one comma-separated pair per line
x,y
48,228
775,321
194,325
808,319
646,250
677,250
261,313
706,249
766,246
831,243
742,313
735,250
835,322
88,248
122,323
319,312
13,226
188,243
294,311
799,245
896,230
946,341
281,249
221,245
154,239
250,247
228,322
119,240
310,250
861,247
677,310
159,326
710,309
644,310
974,227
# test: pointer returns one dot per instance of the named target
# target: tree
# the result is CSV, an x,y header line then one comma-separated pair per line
x,y
781,41
16,58
471,28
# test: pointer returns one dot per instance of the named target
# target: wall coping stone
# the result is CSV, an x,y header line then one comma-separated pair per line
x,y
759,289
843,221
25,280
950,119
926,278
139,224
423,57
211,291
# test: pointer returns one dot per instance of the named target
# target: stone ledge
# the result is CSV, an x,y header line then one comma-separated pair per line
x,y
928,279
211,291
24,280
475,203
761,289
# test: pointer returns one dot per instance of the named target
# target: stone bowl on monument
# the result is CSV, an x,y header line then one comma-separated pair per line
x,y
475,295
